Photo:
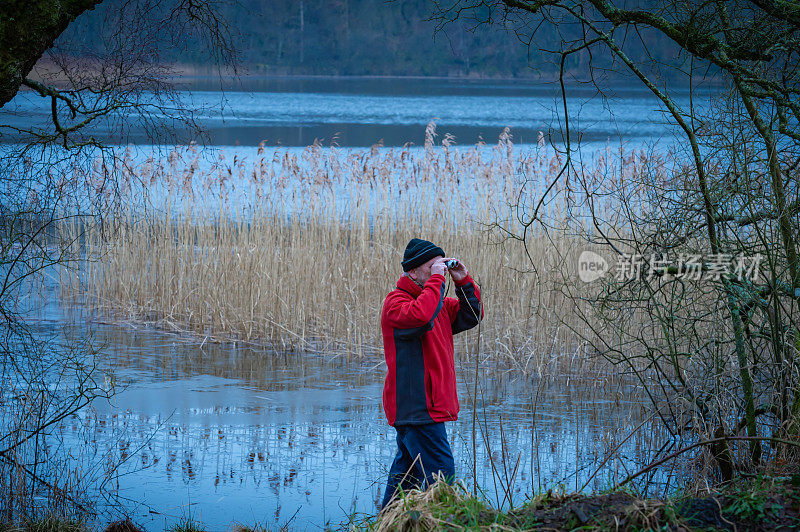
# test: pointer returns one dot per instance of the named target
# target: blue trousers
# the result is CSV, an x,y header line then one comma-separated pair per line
x,y
429,442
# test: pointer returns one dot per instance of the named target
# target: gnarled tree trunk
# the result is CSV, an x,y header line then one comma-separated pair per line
x,y
27,29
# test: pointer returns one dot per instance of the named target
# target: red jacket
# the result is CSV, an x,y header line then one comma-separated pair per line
x,y
418,325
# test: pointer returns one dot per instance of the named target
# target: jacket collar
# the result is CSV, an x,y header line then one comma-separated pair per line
x,y
406,284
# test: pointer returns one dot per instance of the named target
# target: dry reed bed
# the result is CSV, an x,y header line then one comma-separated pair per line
x,y
298,249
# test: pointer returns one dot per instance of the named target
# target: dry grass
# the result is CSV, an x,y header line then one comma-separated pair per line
x,y
299,249
444,507
416,510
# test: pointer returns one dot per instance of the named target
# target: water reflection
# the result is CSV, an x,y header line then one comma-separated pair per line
x,y
231,433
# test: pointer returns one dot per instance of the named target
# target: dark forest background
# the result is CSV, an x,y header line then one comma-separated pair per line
x,y
377,38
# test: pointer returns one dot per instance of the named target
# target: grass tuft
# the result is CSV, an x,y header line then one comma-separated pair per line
x,y
52,524
125,525
187,524
440,506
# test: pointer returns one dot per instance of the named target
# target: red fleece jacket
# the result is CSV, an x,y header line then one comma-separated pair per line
x,y
418,325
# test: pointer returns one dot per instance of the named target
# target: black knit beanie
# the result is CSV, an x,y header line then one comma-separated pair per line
x,y
419,252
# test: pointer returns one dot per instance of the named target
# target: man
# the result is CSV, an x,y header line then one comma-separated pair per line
x,y
419,395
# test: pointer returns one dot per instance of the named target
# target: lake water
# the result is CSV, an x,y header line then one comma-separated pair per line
x,y
363,112
234,434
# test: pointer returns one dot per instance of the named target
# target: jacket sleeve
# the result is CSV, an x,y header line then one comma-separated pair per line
x,y
470,306
408,313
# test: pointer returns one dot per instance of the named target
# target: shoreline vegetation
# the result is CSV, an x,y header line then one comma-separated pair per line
x,y
46,70
763,502
180,73
768,503
296,250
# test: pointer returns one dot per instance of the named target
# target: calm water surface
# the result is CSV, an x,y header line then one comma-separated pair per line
x,y
228,434
362,112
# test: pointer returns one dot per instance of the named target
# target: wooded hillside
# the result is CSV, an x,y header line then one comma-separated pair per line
x,y
369,37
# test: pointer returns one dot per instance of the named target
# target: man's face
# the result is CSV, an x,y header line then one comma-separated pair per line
x,y
422,273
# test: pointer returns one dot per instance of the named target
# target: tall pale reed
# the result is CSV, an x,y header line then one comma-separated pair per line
x,y
298,250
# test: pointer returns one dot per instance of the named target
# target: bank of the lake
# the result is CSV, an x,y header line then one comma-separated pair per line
x,y
763,502
758,503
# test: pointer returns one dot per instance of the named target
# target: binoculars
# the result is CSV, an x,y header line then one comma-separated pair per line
x,y
451,264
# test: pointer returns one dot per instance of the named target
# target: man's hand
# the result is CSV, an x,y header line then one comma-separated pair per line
x,y
439,267
458,273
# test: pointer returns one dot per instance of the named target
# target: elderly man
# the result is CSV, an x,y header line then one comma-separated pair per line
x,y
419,394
